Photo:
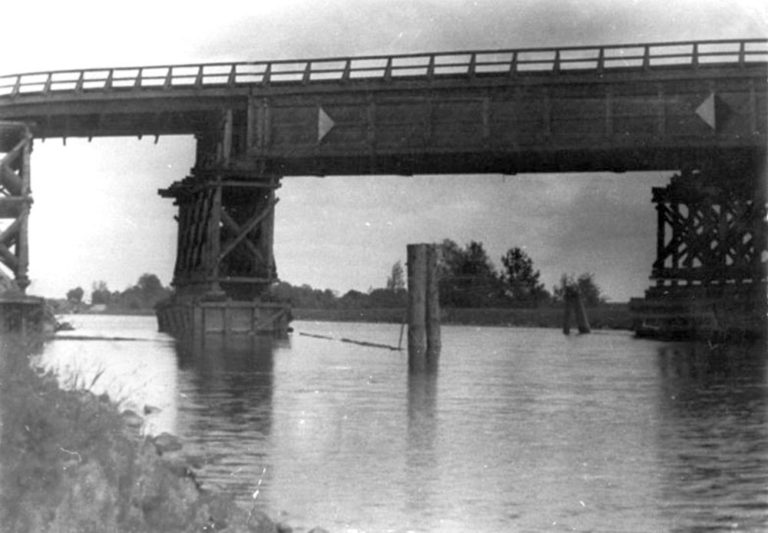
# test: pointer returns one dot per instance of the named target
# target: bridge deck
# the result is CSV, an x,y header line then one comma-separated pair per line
x,y
619,107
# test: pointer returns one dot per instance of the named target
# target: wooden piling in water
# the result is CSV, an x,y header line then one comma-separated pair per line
x,y
423,308
433,308
581,314
417,309
574,304
567,312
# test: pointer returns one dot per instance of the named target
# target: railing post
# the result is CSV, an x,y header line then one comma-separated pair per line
x,y
431,67
601,60
472,65
168,78
232,75
347,70
742,53
388,70
556,64
199,77
646,57
267,79
695,58
307,73
513,64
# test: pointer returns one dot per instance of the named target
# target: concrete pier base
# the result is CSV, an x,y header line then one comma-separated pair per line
x,y
23,315
187,318
730,312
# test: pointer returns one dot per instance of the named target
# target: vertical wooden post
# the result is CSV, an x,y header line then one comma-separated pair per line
x,y
432,308
423,308
581,315
567,311
417,310
22,247
268,232
214,238
573,303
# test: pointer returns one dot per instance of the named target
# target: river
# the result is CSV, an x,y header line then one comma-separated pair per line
x,y
519,430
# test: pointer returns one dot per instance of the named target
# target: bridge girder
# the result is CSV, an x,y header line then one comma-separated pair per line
x,y
701,114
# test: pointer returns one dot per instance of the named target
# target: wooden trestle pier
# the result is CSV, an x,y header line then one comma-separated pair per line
x,y
224,259
697,109
19,313
710,279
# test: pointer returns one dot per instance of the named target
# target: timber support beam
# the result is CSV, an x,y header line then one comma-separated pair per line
x,y
15,203
226,220
711,230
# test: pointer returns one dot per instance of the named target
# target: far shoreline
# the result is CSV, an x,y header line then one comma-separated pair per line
x,y
604,316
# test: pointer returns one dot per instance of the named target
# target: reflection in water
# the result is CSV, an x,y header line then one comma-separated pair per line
x,y
531,430
714,436
422,433
140,373
227,414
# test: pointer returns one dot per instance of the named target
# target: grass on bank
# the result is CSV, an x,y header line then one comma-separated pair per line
x,y
69,462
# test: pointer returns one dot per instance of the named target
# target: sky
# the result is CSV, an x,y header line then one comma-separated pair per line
x,y
97,215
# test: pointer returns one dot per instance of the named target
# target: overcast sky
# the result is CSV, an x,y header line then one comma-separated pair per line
x,y
97,215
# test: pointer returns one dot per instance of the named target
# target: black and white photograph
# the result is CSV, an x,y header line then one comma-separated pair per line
x,y
384,266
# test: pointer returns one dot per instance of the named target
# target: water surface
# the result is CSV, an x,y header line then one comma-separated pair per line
x,y
520,429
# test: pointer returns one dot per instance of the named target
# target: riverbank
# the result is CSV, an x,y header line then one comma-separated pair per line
x,y
605,316
73,461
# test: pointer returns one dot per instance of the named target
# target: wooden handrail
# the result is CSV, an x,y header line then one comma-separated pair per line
x,y
385,67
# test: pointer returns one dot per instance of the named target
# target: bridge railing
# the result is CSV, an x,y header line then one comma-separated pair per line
x,y
694,54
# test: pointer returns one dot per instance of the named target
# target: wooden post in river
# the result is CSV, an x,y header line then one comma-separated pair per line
x,y
423,308
573,302
433,308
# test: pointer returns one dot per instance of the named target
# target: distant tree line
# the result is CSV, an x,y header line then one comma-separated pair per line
x,y
468,279
147,292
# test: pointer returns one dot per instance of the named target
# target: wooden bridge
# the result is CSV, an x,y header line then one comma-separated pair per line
x,y
695,108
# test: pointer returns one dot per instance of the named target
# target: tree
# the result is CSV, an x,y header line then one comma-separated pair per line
x,y
467,276
100,293
396,280
449,258
75,295
354,300
585,284
590,291
304,296
386,298
151,290
522,281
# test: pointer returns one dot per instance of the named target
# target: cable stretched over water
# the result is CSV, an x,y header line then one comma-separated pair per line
x,y
352,341
91,338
